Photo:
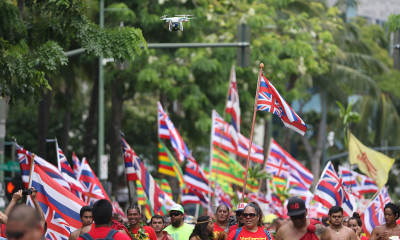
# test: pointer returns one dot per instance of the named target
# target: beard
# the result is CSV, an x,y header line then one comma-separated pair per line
x,y
175,223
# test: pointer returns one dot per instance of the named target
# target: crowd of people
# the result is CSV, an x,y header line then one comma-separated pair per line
x,y
20,221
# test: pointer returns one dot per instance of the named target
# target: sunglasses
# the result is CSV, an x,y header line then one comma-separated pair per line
x,y
251,215
297,217
174,214
16,235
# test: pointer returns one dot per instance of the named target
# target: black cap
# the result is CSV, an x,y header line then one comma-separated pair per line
x,y
296,206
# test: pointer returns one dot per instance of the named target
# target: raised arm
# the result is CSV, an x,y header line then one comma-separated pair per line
x,y
16,197
37,206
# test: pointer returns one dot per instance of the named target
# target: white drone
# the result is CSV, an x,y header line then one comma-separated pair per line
x,y
175,23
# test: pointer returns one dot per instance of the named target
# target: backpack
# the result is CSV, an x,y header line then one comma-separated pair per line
x,y
110,235
240,229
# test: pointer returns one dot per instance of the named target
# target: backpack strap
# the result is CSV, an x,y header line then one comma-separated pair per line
x,y
111,234
237,233
86,236
268,234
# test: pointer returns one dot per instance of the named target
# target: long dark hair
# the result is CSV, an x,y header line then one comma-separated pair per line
x,y
258,212
200,229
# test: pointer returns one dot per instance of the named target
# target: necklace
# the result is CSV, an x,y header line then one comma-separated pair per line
x,y
338,230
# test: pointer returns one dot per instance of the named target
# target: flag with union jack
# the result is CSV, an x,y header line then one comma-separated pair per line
x,y
373,215
271,101
232,105
93,190
357,182
330,191
195,177
176,140
61,208
76,164
256,154
68,174
135,170
296,169
277,167
25,160
223,135
163,131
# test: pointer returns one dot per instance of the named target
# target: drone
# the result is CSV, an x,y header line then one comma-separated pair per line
x,y
175,23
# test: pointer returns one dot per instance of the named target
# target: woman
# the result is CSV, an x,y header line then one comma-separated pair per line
x,y
355,224
203,230
253,225
222,216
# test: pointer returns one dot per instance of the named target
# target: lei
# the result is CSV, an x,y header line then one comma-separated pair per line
x,y
141,235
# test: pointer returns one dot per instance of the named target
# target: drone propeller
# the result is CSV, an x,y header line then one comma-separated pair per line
x,y
184,15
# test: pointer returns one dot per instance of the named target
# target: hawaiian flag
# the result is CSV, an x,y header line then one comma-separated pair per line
x,y
117,208
373,215
68,173
60,206
232,105
331,192
195,177
222,197
190,197
296,169
271,101
357,182
277,167
296,188
25,160
223,135
93,190
135,170
256,154
163,131
76,164
176,140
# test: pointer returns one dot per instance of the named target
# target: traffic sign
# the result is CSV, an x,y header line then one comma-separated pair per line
x,y
10,167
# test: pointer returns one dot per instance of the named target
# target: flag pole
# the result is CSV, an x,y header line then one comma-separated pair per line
x,y
265,163
252,131
30,173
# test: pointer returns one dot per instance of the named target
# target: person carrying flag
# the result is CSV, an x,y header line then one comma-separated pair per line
x,y
390,228
299,227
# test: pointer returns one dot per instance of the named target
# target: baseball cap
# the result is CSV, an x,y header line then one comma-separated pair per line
x,y
241,206
177,207
296,206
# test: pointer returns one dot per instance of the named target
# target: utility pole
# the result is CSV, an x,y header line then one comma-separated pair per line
x,y
100,141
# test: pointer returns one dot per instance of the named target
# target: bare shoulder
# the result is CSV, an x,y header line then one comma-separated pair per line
x,y
75,234
170,237
320,229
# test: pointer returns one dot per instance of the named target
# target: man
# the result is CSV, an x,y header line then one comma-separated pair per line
x,y
239,217
336,228
86,215
135,227
24,223
345,221
299,227
102,216
157,223
390,228
178,229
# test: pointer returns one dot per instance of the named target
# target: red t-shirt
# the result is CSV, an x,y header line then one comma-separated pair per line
x,y
247,235
149,231
232,228
217,229
101,232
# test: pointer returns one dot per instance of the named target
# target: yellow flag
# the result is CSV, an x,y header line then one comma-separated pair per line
x,y
372,163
